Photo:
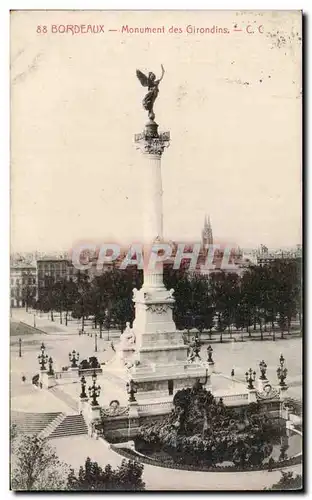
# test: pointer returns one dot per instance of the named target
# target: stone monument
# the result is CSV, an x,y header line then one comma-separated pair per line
x,y
159,365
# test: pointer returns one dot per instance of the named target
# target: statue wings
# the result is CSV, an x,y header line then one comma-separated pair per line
x,y
143,78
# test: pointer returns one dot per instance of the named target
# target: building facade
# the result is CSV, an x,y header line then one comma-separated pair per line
x,y
51,270
265,256
23,284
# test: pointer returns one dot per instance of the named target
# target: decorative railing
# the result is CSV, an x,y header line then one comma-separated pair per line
x,y
176,368
161,407
232,397
65,374
90,371
133,455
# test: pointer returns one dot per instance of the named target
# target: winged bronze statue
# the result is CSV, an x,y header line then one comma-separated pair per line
x,y
153,90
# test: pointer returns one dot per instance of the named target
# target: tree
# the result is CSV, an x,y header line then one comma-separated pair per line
x,y
127,477
28,289
225,293
83,306
35,466
122,311
66,292
46,298
288,482
13,432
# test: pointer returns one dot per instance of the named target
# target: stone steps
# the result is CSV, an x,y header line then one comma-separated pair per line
x,y
32,423
72,425
45,433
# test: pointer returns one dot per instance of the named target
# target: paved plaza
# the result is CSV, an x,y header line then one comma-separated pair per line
x,y
239,356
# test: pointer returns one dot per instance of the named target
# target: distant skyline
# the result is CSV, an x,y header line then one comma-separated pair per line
x,y
232,104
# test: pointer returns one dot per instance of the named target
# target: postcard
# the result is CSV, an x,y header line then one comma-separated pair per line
x,y
156,250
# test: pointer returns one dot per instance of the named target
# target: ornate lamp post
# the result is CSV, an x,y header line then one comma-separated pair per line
x,y
73,358
250,378
20,348
209,352
83,394
51,371
131,390
282,371
94,391
263,369
43,358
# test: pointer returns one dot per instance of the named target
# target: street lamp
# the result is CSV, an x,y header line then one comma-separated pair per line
x,y
43,358
263,369
34,320
83,394
51,371
73,358
95,342
131,390
250,378
282,372
94,391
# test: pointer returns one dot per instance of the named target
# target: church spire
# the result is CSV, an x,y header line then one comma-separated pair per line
x,y
207,232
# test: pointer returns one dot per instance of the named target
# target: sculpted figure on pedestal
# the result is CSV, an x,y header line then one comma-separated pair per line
x,y
127,339
153,91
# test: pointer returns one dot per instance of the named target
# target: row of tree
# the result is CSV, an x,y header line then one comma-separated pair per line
x,y
107,298
264,297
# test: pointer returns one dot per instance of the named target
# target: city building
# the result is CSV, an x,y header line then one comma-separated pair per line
x,y
224,259
51,269
22,284
265,256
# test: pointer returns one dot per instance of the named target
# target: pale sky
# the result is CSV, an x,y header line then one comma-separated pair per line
x,y
231,102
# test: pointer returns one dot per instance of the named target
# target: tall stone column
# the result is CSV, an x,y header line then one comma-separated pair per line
x,y
153,303
152,146
152,190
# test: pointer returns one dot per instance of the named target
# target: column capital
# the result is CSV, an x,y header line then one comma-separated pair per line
x,y
152,144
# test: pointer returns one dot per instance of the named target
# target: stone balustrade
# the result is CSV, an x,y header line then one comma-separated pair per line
x,y
59,375
155,408
232,399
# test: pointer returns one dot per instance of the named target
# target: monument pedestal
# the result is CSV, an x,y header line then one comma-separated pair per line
x,y
160,367
252,396
261,383
82,405
91,414
48,380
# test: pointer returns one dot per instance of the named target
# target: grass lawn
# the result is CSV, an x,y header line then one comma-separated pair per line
x,y
18,329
